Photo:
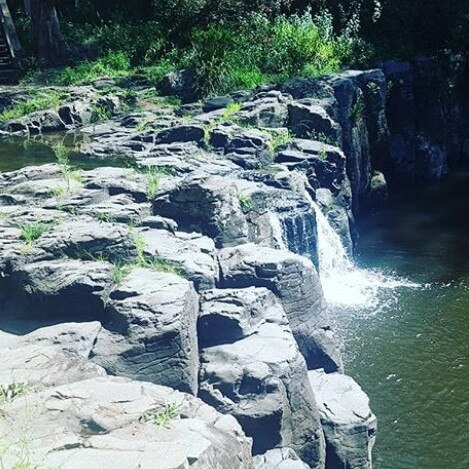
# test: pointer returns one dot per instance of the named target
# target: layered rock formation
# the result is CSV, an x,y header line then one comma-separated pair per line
x,y
195,273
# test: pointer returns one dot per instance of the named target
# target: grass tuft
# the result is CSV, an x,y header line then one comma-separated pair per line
x,y
162,418
245,202
9,391
31,232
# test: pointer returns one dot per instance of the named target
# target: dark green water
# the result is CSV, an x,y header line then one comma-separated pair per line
x,y
18,152
410,351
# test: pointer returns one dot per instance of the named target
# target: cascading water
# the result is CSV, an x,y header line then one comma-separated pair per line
x,y
342,281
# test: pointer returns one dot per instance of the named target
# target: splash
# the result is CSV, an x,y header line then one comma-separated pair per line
x,y
342,281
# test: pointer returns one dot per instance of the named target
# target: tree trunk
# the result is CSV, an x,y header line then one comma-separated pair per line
x,y
46,35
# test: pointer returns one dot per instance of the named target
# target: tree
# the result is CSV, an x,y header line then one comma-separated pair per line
x,y
45,29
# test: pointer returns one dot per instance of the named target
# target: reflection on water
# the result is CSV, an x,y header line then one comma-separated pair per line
x,y
410,351
18,152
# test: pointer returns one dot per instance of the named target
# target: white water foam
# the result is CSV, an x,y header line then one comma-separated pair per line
x,y
342,281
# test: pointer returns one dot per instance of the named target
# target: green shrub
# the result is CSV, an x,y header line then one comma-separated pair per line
x,y
259,50
120,271
280,138
139,41
153,183
210,49
231,45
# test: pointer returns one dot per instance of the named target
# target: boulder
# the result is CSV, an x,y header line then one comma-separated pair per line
x,y
150,330
235,211
349,425
192,253
324,165
228,315
261,377
427,134
294,279
114,422
117,181
120,208
309,119
38,366
266,109
47,356
74,338
351,116
89,239
181,84
209,205
63,289
248,148
279,458
76,113
217,102
181,133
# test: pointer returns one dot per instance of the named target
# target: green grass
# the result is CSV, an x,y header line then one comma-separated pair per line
x,y
323,138
38,101
31,232
358,110
153,175
9,391
69,173
153,183
164,417
104,217
228,115
230,111
280,138
112,65
323,153
162,265
120,271
245,202
101,113
145,261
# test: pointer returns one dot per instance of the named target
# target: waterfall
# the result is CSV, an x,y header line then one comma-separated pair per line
x,y
342,281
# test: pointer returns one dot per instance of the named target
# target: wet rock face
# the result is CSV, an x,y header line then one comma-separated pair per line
x,y
427,118
211,206
346,110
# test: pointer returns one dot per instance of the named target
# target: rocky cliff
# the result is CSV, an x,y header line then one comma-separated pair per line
x,y
194,272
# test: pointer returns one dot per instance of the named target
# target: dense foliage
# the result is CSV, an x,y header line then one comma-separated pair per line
x,y
235,43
